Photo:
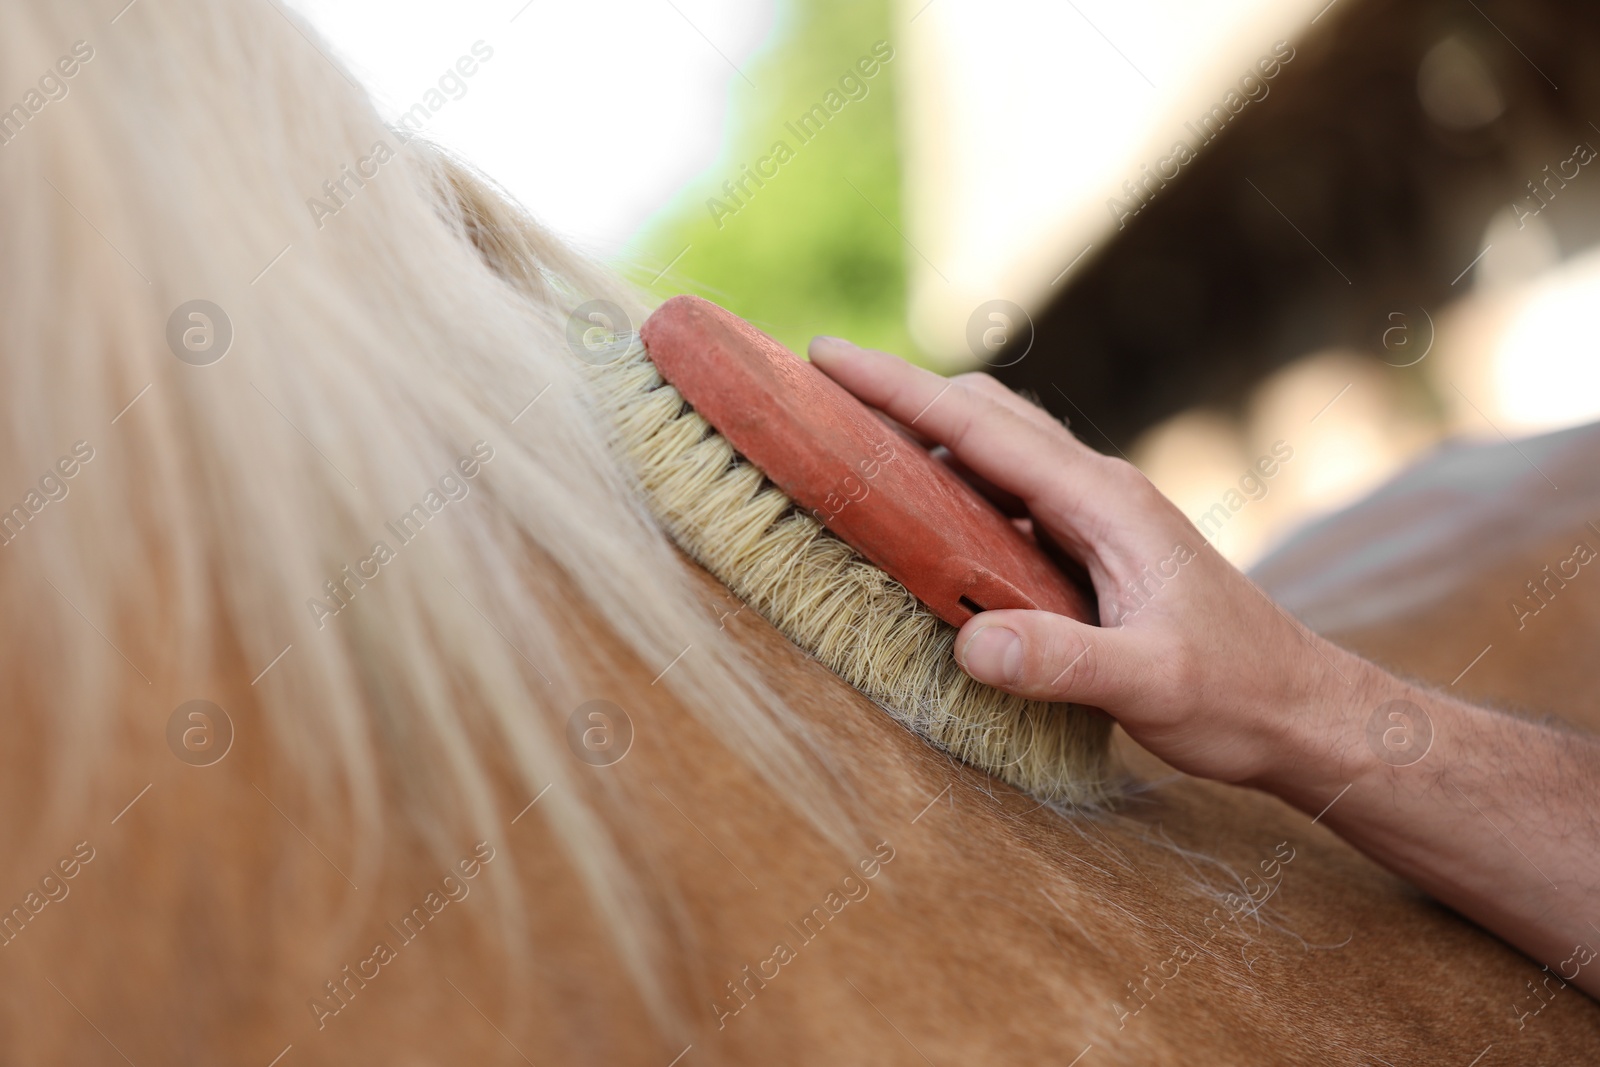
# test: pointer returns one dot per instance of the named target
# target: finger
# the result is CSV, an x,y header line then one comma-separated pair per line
x,y
1012,400
1043,656
1069,565
904,431
1010,504
1100,508
999,444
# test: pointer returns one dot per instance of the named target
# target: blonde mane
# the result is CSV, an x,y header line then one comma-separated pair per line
x,y
374,354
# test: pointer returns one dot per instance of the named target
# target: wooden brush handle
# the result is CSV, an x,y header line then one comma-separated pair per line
x,y
880,493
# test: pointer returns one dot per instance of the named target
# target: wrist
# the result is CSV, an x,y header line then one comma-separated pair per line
x,y
1316,741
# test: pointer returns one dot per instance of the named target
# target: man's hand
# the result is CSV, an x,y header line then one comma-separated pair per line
x,y
1493,815
1191,657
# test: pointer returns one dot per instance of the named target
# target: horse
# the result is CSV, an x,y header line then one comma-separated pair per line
x,y
358,712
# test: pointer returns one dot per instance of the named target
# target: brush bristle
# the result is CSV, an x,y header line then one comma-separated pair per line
x,y
829,600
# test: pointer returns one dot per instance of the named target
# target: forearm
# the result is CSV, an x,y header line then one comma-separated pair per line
x,y
1495,816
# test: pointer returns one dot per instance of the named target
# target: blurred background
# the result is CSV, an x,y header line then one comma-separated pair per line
x,y
1219,238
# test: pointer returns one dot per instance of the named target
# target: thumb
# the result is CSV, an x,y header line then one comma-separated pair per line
x,y
1045,656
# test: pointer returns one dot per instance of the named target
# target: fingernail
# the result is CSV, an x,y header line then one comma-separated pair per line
x,y
993,655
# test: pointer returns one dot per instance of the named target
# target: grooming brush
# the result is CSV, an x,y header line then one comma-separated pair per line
x,y
845,535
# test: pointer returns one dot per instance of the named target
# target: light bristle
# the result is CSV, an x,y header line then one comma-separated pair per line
x,y
829,600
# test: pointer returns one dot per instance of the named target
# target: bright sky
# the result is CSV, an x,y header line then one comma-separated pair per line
x,y
593,114
596,113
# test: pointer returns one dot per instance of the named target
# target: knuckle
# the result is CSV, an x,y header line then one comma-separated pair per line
x,y
981,381
995,394
1063,664
1130,480
976,409
1122,471
961,424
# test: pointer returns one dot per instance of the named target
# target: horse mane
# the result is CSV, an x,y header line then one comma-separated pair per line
x,y
374,351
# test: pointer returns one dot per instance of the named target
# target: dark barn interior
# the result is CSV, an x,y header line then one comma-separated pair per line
x,y
1362,185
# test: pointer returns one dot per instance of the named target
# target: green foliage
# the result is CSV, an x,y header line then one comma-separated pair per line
x,y
802,252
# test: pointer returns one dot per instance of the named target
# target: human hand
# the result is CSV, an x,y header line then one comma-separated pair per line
x,y
1194,660
1201,668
